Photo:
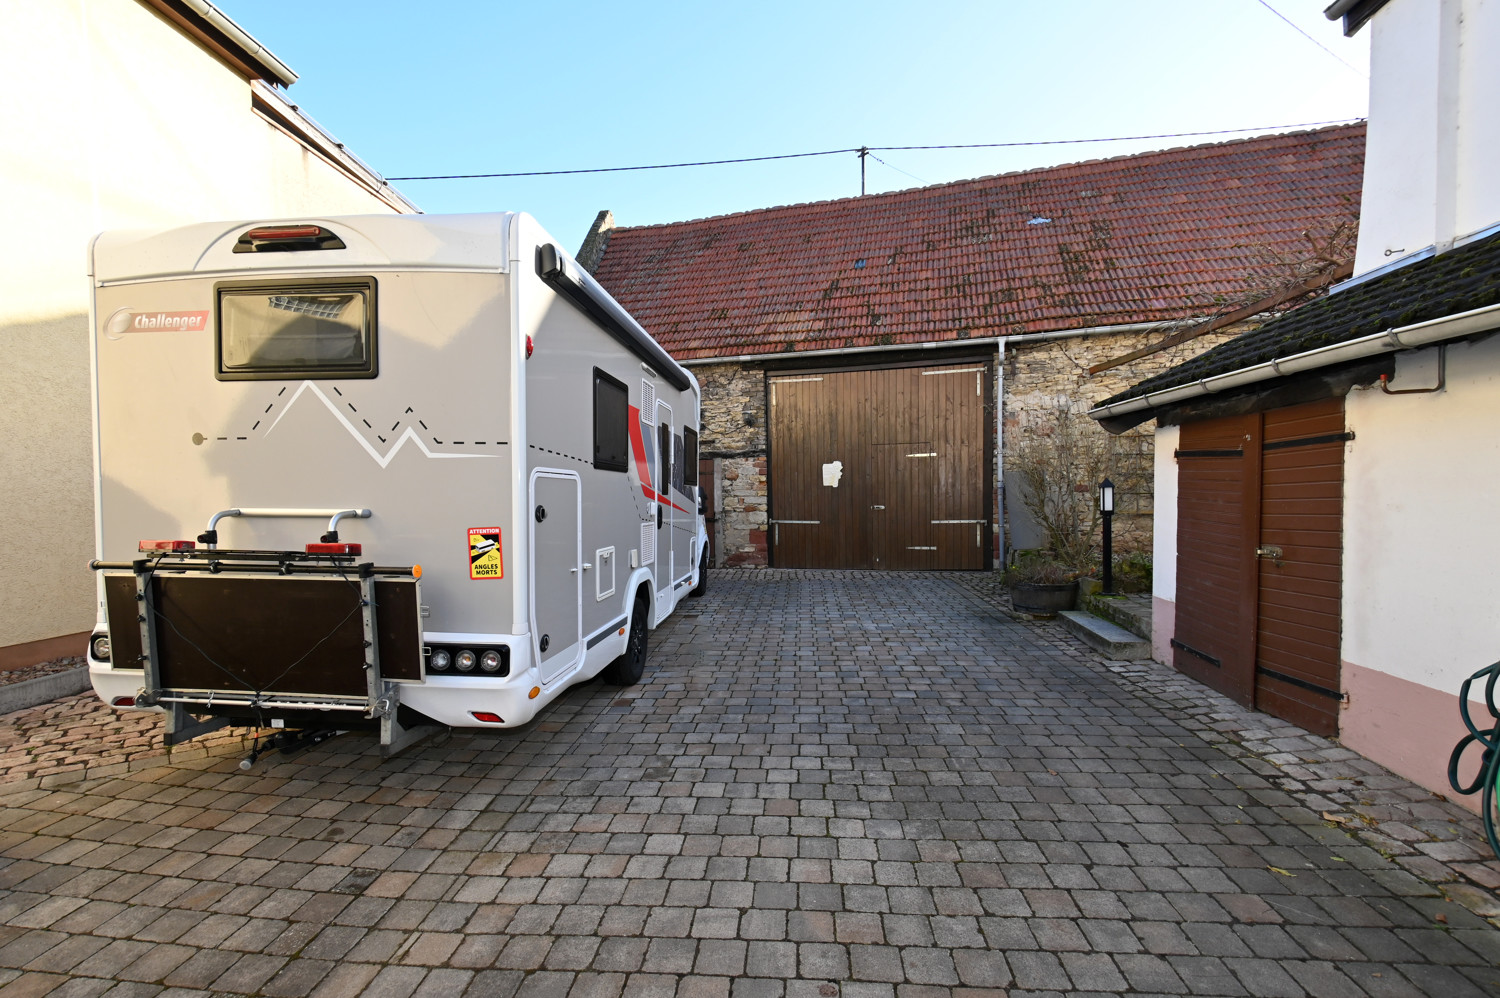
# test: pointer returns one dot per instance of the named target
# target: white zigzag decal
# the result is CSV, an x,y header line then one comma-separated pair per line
x,y
383,461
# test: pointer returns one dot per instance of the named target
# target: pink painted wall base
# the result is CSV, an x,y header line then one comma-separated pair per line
x,y
1408,728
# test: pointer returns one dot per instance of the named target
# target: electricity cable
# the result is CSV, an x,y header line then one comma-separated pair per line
x,y
869,149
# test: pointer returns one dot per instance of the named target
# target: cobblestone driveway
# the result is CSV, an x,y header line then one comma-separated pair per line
x,y
828,785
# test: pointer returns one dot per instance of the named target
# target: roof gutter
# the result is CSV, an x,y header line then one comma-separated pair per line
x,y
276,70
1418,334
1019,338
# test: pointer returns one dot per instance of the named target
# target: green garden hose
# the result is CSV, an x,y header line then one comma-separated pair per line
x,y
1487,783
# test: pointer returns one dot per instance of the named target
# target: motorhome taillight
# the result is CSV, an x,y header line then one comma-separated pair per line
x,y
335,549
529,347
486,717
123,701
283,232
287,239
149,546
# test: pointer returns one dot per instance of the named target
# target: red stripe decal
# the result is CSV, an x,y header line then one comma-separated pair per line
x,y
642,469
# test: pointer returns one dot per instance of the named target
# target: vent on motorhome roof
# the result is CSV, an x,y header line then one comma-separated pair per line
x,y
287,239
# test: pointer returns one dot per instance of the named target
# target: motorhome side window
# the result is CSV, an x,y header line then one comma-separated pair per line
x,y
307,329
690,456
611,423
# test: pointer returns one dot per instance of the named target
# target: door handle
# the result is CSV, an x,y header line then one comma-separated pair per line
x,y
877,507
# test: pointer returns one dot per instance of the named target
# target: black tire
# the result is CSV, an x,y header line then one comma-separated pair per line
x,y
629,667
702,586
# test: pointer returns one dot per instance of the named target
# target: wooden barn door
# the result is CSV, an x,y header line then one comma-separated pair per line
x,y
882,469
1301,565
1217,499
1259,559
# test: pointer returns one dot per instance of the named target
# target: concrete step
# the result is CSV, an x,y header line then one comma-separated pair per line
x,y
1111,640
1131,612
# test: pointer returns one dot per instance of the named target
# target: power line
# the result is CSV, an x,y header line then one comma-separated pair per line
x,y
869,149
1304,34
620,169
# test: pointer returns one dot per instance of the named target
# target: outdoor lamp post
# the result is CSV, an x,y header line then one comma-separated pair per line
x,y
1107,508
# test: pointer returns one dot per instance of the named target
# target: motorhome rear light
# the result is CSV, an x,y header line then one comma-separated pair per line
x,y
465,660
441,659
100,647
123,701
490,661
486,717
320,548
284,232
168,546
287,239
529,348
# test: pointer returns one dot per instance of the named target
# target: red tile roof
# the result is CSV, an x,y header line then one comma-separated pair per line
x,y
1134,239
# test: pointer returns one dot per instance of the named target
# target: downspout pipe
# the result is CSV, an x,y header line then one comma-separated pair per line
x,y
1419,334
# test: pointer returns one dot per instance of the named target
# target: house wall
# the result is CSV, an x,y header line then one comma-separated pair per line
x,y
1421,539
114,120
1164,544
1433,135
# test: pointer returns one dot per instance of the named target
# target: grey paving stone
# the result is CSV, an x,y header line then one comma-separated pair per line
x,y
880,784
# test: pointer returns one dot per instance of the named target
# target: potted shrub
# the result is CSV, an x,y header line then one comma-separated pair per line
x,y
1042,586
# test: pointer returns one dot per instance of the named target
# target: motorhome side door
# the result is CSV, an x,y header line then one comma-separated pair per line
x,y
556,575
666,568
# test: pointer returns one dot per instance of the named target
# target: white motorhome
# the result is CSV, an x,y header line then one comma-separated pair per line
x,y
378,470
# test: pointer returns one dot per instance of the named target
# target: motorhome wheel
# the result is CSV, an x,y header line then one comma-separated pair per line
x,y
702,586
628,668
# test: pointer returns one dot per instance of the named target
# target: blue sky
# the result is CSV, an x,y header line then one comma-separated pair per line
x,y
483,87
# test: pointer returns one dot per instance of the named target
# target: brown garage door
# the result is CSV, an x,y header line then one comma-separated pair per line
x,y
882,469
1259,556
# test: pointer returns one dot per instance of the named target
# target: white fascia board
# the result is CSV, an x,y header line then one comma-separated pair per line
x,y
1418,334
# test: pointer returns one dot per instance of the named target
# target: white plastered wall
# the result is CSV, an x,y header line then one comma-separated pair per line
x,y
1164,544
1421,534
112,119
1433,134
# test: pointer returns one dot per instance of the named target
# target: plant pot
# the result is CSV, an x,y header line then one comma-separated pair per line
x,y
1043,599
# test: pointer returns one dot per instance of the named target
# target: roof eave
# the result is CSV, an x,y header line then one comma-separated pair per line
x,y
1419,334
219,34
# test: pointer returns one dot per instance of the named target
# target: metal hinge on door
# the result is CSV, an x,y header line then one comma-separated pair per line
x,y
1271,552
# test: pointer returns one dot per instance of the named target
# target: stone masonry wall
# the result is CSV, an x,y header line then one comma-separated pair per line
x,y
1041,376
742,512
733,433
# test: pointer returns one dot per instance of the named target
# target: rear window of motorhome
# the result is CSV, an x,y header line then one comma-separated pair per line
x,y
302,330
611,423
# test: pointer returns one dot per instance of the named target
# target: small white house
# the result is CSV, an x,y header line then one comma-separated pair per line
x,y
119,114
1327,484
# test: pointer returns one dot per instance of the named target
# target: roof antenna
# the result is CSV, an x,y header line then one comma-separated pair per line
x,y
863,152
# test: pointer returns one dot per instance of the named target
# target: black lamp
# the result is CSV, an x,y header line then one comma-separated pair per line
x,y
1107,509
